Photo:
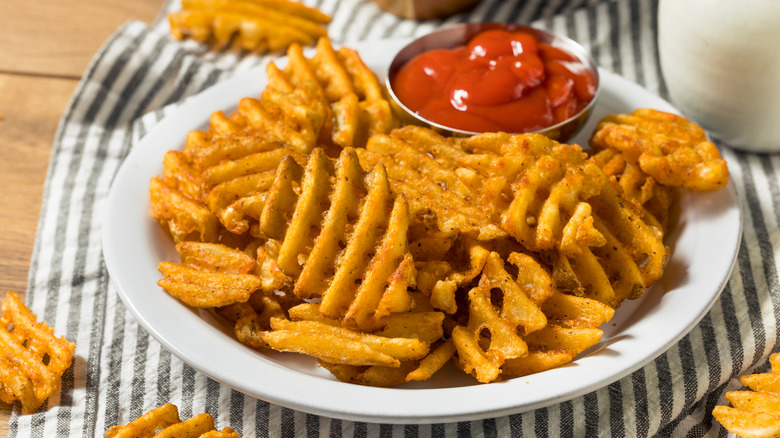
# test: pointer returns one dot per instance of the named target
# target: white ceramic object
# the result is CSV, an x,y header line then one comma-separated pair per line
x,y
721,63
705,246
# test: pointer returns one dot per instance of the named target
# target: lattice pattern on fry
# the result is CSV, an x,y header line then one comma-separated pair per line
x,y
439,202
639,188
441,279
573,326
32,358
754,412
165,422
534,184
500,312
360,108
182,216
547,195
668,147
259,25
564,205
343,237
634,255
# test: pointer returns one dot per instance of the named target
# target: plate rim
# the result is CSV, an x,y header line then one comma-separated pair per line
x,y
217,99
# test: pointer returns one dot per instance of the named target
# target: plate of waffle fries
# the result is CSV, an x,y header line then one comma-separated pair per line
x,y
284,234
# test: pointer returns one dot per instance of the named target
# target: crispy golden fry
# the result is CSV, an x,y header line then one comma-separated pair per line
x,y
148,424
535,362
181,175
655,200
226,143
748,424
343,237
501,309
433,362
536,187
623,227
563,338
347,90
238,203
766,402
254,316
164,422
504,341
342,346
215,257
425,326
755,413
517,307
311,312
572,311
183,217
765,382
668,147
295,130
200,288
32,358
631,259
555,345
438,200
442,279
259,25
245,166
572,340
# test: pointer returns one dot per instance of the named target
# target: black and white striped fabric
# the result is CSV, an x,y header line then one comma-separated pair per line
x,y
141,74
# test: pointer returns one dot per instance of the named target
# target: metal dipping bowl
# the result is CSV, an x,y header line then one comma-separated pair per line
x,y
461,34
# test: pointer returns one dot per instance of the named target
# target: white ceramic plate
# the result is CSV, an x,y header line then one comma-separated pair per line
x,y
705,245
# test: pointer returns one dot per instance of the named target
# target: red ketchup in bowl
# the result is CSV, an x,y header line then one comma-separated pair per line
x,y
499,81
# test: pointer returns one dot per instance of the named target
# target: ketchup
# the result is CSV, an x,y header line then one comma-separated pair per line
x,y
499,81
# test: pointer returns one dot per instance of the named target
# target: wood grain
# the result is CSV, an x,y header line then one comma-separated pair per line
x,y
45,46
50,37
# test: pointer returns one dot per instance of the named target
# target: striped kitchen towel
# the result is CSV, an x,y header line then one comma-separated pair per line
x,y
141,74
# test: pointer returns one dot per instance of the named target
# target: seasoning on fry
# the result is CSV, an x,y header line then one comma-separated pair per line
x,y
32,357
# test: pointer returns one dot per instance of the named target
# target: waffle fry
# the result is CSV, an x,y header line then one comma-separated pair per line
x,y
546,195
544,182
180,215
572,328
655,200
755,413
33,359
165,422
342,346
632,258
441,279
203,289
516,314
439,203
670,148
361,276
259,25
598,241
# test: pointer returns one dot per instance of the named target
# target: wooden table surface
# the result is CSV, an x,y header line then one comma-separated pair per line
x,y
45,47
